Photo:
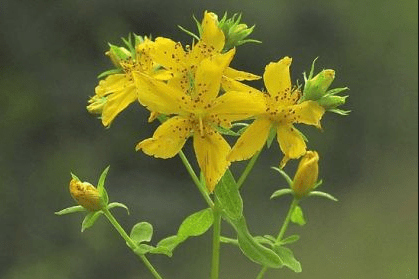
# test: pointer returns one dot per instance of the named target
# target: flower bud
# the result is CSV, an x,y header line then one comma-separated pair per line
x,y
307,173
317,86
86,195
235,32
331,102
118,54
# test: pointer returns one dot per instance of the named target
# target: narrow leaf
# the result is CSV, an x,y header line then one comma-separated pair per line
x,y
101,182
141,232
72,209
89,220
271,136
117,204
323,195
285,175
281,192
110,72
290,239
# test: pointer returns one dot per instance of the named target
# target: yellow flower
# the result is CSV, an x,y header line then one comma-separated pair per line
x,y
117,91
198,111
307,173
183,64
86,195
280,112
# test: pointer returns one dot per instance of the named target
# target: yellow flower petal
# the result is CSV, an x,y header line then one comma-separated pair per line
x,y
251,141
169,54
230,84
159,97
212,35
168,139
208,77
291,142
239,75
112,84
308,112
162,74
117,102
277,77
211,151
235,105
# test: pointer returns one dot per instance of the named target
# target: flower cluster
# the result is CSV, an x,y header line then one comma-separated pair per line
x,y
200,96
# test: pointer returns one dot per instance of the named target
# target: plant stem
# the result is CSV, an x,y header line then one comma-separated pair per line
x,y
195,179
216,244
130,242
282,231
248,169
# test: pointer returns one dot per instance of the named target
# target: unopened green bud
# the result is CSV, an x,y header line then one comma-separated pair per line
x,y
332,101
86,195
118,54
235,32
317,86
307,173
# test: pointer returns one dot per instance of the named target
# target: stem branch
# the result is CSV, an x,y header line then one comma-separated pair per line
x,y
196,180
281,232
130,242
248,169
216,244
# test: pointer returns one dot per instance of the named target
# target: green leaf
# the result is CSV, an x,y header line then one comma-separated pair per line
x,y
290,239
225,131
143,249
281,192
101,182
72,209
89,220
141,232
270,238
340,111
197,223
254,250
228,195
288,258
271,136
318,184
167,245
263,240
188,32
117,204
335,91
110,72
297,216
323,195
284,175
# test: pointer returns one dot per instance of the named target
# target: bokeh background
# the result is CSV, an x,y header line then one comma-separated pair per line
x,y
51,53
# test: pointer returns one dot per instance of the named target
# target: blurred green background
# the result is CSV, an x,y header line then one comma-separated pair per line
x,y
51,53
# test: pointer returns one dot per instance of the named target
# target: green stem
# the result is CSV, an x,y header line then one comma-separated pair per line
x,y
130,242
248,169
281,232
196,180
216,244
